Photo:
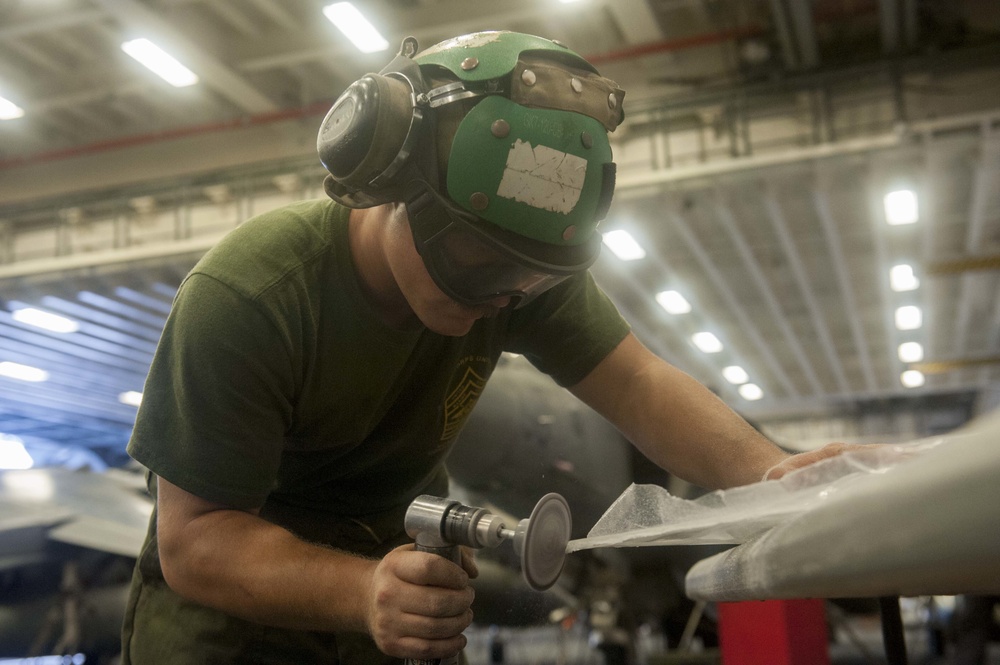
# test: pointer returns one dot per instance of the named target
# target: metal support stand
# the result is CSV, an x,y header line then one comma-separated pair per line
x,y
892,630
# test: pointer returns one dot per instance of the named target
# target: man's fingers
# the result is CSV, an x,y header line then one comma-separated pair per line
x,y
811,457
421,604
469,564
412,647
426,569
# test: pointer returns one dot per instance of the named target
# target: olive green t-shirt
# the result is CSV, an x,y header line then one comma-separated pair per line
x,y
276,385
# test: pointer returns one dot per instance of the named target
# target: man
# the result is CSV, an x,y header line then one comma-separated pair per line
x,y
319,362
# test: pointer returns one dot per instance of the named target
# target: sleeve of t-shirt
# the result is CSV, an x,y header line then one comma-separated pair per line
x,y
218,397
567,330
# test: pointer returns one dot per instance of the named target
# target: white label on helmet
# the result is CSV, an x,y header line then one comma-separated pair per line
x,y
543,177
474,40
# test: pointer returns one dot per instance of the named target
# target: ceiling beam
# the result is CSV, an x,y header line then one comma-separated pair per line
x,y
429,24
725,215
137,19
277,13
652,337
636,19
821,204
871,190
55,21
963,264
746,325
802,279
971,285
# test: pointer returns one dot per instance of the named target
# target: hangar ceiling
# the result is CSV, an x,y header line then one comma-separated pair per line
x,y
761,137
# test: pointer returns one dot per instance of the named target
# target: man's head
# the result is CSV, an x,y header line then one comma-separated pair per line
x,y
497,144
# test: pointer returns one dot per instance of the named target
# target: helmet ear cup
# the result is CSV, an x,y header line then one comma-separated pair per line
x,y
365,129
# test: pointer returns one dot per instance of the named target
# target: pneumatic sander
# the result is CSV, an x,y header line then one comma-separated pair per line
x,y
441,526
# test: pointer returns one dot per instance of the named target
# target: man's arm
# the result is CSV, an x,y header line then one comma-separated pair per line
x,y
680,424
414,604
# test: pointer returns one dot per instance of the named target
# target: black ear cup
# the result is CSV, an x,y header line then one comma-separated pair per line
x,y
364,131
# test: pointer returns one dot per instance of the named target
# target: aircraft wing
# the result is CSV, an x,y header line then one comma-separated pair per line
x,y
108,512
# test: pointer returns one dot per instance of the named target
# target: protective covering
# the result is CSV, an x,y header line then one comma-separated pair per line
x,y
646,515
913,519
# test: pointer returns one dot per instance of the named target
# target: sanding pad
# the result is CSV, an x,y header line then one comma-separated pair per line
x,y
541,541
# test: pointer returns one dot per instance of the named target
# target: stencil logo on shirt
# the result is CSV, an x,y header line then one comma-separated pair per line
x,y
543,177
459,403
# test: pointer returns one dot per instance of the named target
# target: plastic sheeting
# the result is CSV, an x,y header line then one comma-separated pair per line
x,y
926,526
647,515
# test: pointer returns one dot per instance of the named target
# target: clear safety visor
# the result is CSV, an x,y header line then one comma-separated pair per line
x,y
474,265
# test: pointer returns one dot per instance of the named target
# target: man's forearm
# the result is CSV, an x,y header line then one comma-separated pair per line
x,y
698,437
675,421
243,565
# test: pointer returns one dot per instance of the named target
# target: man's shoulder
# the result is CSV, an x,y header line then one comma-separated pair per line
x,y
275,245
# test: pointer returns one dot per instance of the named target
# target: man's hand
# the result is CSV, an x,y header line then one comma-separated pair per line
x,y
793,462
419,604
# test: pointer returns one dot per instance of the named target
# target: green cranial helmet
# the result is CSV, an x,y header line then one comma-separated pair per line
x,y
531,155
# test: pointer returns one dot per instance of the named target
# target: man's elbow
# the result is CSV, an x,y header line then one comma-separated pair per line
x,y
179,564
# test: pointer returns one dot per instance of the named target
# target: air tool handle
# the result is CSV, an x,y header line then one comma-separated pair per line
x,y
452,553
441,526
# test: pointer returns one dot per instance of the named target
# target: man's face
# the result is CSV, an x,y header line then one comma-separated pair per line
x,y
429,303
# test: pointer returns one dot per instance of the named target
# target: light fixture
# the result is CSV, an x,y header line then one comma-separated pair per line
x,y
9,110
355,27
130,397
901,207
911,352
912,378
45,320
673,302
707,342
160,62
21,372
735,374
751,391
623,245
13,455
901,278
909,317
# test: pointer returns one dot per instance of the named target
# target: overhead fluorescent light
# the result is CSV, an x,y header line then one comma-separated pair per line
x,y
911,352
623,245
130,397
901,278
909,317
901,207
13,455
355,27
45,320
22,372
673,302
160,62
707,342
9,110
735,374
912,378
751,391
